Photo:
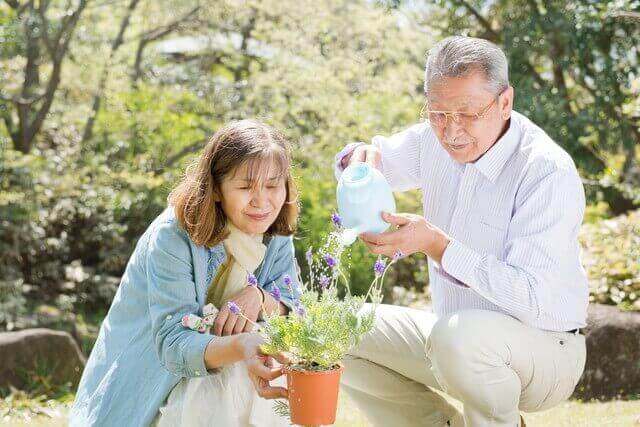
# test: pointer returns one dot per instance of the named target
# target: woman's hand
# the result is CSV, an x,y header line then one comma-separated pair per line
x,y
260,367
250,302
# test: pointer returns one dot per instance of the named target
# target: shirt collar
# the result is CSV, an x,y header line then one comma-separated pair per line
x,y
492,163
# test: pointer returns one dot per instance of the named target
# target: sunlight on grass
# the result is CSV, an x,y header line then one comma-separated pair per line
x,y
569,414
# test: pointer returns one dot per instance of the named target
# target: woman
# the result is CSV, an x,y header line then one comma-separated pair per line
x,y
230,217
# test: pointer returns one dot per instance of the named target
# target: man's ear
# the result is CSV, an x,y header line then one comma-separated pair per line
x,y
505,102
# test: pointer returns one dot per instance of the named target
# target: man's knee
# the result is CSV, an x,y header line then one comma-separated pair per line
x,y
466,364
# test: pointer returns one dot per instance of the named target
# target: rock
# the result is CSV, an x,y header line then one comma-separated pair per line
x,y
54,354
613,354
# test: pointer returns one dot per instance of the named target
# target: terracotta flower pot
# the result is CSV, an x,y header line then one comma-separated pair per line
x,y
313,396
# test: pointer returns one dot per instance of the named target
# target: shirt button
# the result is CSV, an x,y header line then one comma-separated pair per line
x,y
197,372
169,317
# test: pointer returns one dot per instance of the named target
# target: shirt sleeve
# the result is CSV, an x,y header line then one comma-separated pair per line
x,y
172,294
401,154
532,278
401,157
284,265
348,149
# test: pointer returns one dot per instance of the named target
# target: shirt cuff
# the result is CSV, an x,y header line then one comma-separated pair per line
x,y
194,356
348,149
461,262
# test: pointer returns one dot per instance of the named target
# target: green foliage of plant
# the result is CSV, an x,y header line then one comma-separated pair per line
x,y
72,209
67,230
320,338
573,65
611,255
324,326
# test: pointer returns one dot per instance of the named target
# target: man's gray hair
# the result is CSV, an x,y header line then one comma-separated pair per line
x,y
460,56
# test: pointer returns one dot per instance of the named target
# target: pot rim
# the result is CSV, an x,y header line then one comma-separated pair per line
x,y
338,369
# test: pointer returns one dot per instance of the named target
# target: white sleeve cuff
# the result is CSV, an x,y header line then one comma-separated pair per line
x,y
461,262
348,149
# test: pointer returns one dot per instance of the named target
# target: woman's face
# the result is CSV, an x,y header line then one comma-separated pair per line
x,y
253,206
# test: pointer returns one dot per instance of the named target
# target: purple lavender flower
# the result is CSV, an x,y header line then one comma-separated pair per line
x,y
275,293
233,307
324,281
309,256
300,311
287,280
336,220
330,260
252,280
379,266
397,255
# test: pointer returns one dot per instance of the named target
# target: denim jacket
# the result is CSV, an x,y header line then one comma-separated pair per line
x,y
142,349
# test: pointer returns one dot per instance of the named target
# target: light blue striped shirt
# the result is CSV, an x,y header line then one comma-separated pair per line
x,y
513,217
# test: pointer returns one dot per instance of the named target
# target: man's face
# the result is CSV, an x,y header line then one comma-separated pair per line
x,y
467,140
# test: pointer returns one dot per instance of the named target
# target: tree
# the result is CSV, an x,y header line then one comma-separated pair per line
x,y
572,64
24,111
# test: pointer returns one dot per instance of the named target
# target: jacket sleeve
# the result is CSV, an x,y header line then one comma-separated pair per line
x,y
172,294
284,265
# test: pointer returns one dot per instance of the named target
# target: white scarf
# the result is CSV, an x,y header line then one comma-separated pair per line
x,y
244,255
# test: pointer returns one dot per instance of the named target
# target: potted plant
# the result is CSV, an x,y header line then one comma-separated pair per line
x,y
320,330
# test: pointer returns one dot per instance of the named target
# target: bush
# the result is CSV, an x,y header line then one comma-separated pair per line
x,y
611,256
67,230
317,196
68,227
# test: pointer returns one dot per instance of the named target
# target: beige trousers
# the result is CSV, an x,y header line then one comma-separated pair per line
x,y
493,364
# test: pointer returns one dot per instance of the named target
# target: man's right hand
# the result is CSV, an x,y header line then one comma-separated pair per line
x,y
367,153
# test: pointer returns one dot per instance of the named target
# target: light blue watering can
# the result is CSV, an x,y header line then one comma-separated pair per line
x,y
363,194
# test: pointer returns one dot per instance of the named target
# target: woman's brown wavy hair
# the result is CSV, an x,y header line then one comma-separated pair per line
x,y
194,198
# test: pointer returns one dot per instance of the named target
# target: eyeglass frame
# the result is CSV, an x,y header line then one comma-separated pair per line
x,y
424,113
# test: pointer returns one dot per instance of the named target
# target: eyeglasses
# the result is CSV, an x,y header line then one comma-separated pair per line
x,y
464,119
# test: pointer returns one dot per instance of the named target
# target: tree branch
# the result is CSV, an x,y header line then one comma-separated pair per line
x,y
57,50
154,35
97,98
69,28
188,149
44,22
497,38
556,52
494,36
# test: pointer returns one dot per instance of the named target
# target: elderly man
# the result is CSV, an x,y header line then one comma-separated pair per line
x,y
502,208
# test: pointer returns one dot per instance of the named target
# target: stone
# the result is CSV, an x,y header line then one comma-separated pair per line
x,y
42,352
613,354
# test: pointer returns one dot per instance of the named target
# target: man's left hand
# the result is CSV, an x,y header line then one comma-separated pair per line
x,y
413,234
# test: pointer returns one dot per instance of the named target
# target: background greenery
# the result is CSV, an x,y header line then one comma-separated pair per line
x,y
104,102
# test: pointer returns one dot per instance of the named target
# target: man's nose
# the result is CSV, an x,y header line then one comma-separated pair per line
x,y
452,129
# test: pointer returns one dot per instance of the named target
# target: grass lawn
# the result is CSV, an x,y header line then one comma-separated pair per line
x,y
570,414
